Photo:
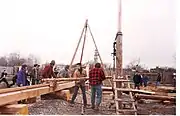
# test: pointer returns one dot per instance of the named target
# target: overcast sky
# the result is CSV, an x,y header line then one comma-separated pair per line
x,y
50,29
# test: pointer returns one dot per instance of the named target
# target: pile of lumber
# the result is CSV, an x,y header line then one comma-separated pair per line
x,y
155,97
20,93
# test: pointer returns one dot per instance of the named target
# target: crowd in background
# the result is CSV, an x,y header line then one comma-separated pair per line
x,y
142,80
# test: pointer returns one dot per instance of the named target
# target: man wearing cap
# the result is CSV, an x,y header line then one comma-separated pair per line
x,y
48,70
22,77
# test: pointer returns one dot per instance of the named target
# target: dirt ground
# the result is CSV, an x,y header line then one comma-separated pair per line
x,y
52,106
60,107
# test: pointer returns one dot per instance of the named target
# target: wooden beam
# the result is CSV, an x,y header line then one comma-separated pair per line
x,y
164,88
7,90
65,79
6,98
14,109
70,79
21,93
121,80
65,86
155,97
134,90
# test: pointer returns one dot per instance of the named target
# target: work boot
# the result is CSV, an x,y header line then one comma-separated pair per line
x,y
71,103
97,108
92,106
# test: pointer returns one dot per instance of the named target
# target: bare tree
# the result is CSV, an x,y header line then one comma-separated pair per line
x,y
3,61
136,65
13,59
32,59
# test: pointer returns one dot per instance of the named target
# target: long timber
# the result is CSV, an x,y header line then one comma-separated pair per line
x,y
70,79
20,93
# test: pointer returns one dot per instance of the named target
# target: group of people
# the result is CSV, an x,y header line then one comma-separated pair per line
x,y
96,76
22,76
140,80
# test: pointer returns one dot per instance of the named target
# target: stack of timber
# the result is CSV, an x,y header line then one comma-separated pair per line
x,y
155,97
20,93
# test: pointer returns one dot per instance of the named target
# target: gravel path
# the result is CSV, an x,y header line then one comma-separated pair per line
x,y
60,107
54,106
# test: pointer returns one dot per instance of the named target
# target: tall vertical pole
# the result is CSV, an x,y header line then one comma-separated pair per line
x,y
119,59
119,55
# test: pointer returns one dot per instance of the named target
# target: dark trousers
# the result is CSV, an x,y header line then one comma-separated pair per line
x,y
136,85
35,81
145,84
4,80
76,88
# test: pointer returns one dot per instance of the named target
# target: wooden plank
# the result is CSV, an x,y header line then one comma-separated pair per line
x,y
134,90
121,80
70,79
17,95
6,98
65,79
21,88
106,88
65,86
15,109
126,110
166,88
125,100
155,97
109,77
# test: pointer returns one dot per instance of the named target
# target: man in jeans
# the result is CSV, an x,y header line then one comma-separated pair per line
x,y
96,76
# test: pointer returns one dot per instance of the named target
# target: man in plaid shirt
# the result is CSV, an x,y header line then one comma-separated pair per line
x,y
96,76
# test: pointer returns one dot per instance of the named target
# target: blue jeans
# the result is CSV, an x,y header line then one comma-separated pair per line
x,y
157,83
96,91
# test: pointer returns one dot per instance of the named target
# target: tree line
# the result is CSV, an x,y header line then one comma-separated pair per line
x,y
15,59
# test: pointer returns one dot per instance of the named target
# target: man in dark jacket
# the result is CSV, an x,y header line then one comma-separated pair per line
x,y
3,78
137,80
145,80
35,74
158,79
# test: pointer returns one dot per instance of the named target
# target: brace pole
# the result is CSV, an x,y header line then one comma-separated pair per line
x,y
84,41
77,47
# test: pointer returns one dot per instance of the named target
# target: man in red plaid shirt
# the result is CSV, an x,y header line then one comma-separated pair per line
x,y
96,76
